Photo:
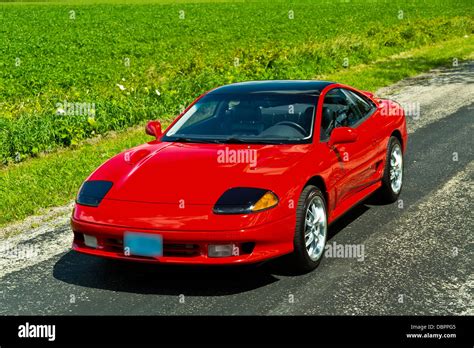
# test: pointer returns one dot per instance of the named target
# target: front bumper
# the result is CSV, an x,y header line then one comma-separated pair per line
x,y
190,247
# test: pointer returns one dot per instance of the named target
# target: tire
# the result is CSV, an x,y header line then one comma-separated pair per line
x,y
301,261
390,190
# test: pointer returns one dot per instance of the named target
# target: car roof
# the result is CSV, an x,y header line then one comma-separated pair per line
x,y
312,87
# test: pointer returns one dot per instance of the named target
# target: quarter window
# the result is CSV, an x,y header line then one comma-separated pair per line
x,y
364,105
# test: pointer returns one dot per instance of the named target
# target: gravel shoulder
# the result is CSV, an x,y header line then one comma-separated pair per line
x,y
433,95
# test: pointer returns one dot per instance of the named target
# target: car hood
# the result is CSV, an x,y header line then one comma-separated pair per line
x,y
189,173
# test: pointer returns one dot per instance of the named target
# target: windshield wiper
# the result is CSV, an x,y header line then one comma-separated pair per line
x,y
258,141
192,140
234,140
231,140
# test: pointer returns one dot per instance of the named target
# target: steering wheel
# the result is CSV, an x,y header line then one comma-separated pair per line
x,y
342,117
292,124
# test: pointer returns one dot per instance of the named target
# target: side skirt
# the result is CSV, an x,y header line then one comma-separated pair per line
x,y
345,205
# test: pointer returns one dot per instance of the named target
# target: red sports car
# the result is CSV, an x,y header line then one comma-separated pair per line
x,y
248,172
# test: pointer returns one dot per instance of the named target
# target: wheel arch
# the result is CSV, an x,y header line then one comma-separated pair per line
x,y
318,181
397,134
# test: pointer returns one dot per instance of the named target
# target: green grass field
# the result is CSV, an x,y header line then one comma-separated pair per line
x,y
51,55
79,52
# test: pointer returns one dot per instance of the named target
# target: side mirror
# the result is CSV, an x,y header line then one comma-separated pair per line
x,y
153,128
342,135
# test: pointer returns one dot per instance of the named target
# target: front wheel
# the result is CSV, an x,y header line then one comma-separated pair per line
x,y
311,230
392,179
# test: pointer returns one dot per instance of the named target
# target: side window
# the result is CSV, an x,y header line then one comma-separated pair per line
x,y
364,105
338,111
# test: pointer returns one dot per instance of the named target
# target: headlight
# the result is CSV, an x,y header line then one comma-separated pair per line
x,y
245,200
91,193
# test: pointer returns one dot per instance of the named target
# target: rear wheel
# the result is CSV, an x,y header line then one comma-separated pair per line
x,y
310,231
392,179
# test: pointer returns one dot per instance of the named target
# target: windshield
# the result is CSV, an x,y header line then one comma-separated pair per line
x,y
271,118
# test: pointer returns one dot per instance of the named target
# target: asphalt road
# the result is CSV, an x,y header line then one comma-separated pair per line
x,y
417,254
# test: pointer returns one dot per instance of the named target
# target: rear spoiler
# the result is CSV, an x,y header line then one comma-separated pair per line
x,y
373,97
369,94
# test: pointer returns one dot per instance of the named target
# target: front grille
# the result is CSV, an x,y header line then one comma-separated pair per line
x,y
183,250
112,244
